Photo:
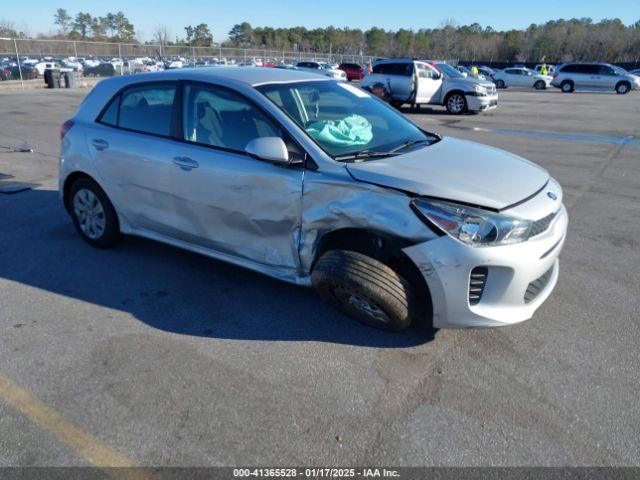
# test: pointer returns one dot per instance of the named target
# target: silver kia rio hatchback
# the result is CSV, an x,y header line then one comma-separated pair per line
x,y
318,183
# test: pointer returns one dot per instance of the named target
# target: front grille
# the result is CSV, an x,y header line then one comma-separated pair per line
x,y
535,287
541,226
477,281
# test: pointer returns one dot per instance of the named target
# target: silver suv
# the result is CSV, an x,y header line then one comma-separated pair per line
x,y
315,182
594,76
423,82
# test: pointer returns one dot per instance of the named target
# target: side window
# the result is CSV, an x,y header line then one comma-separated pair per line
x,y
570,69
424,71
222,118
591,69
147,109
606,70
110,115
511,72
380,68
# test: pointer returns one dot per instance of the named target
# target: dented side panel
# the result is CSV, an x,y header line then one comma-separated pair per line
x,y
332,200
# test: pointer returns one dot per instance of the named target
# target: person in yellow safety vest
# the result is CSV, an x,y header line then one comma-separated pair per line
x,y
474,71
543,69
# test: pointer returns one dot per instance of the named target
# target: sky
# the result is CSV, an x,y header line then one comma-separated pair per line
x,y
146,15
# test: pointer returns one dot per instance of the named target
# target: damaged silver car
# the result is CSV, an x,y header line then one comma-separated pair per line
x,y
318,183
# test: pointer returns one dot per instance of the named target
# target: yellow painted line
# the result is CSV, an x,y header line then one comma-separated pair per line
x,y
92,450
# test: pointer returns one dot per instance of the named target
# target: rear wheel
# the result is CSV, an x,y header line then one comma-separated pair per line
x,y
364,289
623,88
539,85
567,86
93,214
456,104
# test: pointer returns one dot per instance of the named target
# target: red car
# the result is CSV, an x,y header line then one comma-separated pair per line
x,y
353,71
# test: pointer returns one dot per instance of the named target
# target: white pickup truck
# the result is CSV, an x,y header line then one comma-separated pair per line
x,y
420,82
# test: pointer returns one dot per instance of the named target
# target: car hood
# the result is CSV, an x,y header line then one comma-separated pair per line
x,y
458,170
471,80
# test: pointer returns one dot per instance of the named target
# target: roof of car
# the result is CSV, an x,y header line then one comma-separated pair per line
x,y
248,75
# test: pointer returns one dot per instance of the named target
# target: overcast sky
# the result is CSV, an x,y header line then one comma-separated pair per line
x,y
388,14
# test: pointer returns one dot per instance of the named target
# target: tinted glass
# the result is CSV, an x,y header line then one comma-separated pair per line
x,y
606,70
147,109
401,69
570,69
591,69
222,118
382,68
110,115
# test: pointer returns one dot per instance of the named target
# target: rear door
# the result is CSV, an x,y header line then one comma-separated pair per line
x,y
132,149
398,77
224,199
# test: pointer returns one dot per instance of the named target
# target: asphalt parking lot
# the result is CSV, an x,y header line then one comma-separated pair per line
x,y
148,355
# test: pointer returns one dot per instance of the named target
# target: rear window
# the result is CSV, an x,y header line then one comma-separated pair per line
x,y
146,109
402,69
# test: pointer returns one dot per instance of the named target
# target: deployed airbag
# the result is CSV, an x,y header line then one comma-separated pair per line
x,y
351,130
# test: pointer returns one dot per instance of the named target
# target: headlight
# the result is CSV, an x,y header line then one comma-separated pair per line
x,y
480,91
473,226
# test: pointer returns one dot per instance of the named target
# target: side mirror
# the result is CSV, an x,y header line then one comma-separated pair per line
x,y
271,149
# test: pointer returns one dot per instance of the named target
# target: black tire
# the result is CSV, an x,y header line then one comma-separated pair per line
x,y
456,103
540,85
109,235
500,84
567,86
623,88
364,289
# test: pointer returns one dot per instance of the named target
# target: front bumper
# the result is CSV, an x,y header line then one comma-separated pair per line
x,y
480,104
446,265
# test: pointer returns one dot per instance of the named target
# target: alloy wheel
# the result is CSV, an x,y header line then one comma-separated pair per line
x,y
455,103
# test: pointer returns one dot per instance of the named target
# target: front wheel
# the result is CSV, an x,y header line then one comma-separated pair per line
x,y
623,88
540,85
456,104
567,87
500,84
364,289
93,214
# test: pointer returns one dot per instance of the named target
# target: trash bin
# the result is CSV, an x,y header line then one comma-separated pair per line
x,y
52,78
69,80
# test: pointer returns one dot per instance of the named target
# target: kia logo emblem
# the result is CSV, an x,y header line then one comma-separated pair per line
x,y
552,196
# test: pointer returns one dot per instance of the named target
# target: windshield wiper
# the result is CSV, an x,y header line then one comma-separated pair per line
x,y
365,154
393,152
410,143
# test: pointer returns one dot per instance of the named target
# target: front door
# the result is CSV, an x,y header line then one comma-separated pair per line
x,y
225,199
429,82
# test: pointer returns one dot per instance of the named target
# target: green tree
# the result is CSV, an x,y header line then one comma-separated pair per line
x,y
63,20
82,24
199,36
241,35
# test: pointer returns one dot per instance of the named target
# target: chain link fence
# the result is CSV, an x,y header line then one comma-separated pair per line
x,y
17,56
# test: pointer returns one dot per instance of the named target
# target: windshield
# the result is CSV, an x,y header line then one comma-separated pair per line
x,y
448,71
620,70
346,122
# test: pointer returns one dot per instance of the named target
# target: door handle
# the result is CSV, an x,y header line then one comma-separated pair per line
x,y
100,144
185,163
